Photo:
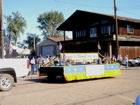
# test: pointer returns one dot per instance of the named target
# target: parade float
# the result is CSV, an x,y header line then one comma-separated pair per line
x,y
80,66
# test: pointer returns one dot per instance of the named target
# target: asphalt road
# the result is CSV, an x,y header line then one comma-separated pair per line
x,y
34,90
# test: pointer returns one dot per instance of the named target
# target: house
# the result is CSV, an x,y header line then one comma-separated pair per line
x,y
89,28
49,46
16,51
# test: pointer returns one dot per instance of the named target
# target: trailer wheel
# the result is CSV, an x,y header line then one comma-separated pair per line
x,y
6,82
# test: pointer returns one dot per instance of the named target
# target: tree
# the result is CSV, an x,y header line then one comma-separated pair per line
x,y
15,25
49,21
30,40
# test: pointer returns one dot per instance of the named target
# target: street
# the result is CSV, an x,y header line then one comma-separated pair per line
x,y
35,90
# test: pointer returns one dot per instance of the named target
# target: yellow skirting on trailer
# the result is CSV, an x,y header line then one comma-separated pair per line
x,y
82,76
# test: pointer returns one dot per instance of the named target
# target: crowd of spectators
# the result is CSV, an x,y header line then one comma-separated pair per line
x,y
36,62
58,60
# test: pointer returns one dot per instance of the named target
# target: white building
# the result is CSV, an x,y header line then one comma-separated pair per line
x,y
16,52
49,46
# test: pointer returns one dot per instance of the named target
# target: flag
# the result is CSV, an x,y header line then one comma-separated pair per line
x,y
98,46
9,43
60,46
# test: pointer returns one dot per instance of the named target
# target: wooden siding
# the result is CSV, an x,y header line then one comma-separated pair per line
x,y
123,28
132,51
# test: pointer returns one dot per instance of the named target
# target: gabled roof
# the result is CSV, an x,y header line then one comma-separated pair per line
x,y
118,17
53,39
57,39
83,18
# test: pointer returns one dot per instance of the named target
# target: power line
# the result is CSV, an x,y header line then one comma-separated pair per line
x,y
130,7
84,5
129,13
70,3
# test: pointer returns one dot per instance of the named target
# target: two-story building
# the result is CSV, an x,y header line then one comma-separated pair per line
x,y
89,28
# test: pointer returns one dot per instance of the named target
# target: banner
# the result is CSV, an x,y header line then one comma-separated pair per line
x,y
80,56
92,70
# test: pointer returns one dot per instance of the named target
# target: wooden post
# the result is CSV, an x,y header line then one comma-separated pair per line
x,y
1,31
64,35
116,29
110,49
34,43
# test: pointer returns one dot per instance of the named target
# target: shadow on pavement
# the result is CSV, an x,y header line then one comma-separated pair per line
x,y
59,80
38,79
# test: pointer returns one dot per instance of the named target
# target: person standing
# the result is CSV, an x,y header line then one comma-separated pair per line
x,y
40,61
114,58
120,60
126,60
32,62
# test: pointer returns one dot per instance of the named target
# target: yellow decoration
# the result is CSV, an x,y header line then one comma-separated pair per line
x,y
82,76
100,54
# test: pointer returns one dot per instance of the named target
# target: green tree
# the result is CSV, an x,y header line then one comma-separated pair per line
x,y
49,21
15,25
30,40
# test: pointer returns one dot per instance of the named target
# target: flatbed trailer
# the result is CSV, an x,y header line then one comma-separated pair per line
x,y
81,71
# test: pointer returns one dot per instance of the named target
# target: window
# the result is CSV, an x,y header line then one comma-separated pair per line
x,y
81,33
93,32
107,29
130,29
104,30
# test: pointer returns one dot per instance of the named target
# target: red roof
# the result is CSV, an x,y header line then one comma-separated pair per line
x,y
58,39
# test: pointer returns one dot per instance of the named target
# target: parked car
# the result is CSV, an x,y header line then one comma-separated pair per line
x,y
134,62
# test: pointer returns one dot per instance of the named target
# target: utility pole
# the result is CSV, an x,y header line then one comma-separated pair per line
x,y
64,35
1,32
116,28
34,43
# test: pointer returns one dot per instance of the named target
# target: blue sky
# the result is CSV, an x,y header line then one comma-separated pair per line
x,y
31,9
